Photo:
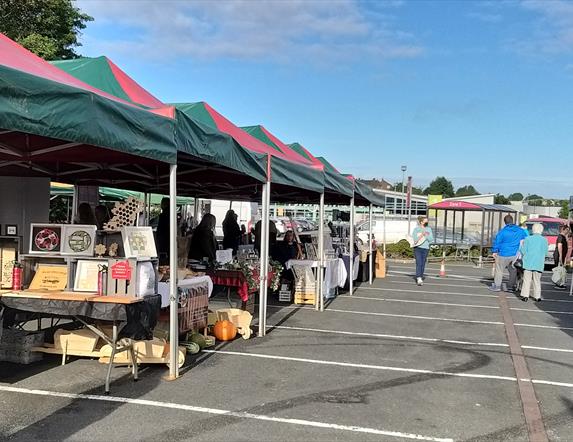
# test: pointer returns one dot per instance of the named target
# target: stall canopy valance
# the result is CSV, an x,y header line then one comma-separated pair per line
x,y
193,136
284,170
469,206
54,125
333,182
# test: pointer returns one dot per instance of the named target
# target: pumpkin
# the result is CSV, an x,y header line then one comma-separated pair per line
x,y
225,330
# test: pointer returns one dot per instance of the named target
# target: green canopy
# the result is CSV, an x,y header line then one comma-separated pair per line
x,y
195,136
333,181
284,169
363,193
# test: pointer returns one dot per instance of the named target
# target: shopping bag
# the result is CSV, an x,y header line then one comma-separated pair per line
x,y
559,275
410,240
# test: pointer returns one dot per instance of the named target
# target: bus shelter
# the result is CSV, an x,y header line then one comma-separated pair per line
x,y
464,224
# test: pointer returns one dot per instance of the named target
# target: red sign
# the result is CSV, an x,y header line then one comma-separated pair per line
x,y
121,270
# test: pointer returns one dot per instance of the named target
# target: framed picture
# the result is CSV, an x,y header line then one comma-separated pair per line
x,y
138,242
46,238
78,240
87,275
11,230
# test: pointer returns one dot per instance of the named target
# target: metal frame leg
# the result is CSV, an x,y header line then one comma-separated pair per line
x,y
111,358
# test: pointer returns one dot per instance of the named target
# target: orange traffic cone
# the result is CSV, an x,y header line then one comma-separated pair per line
x,y
443,269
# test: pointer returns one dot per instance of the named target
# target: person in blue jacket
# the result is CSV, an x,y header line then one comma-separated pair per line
x,y
422,236
533,250
504,250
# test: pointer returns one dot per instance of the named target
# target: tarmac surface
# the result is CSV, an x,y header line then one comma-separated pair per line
x,y
392,362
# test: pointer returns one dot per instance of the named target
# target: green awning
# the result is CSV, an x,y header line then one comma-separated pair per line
x,y
195,134
40,106
284,170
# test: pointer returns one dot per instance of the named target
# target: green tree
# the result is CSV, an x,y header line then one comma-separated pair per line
x,y
49,28
397,187
515,197
440,186
500,199
467,191
564,212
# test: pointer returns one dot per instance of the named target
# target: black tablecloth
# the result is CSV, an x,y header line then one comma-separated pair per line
x,y
138,319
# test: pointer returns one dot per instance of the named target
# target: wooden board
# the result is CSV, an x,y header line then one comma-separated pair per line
x,y
72,296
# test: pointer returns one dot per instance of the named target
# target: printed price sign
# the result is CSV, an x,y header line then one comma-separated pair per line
x,y
121,270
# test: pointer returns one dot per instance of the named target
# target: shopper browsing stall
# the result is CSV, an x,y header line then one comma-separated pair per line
x,y
203,241
231,232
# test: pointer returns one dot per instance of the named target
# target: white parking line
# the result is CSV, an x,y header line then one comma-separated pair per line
x,y
422,291
494,307
366,366
429,318
389,368
354,312
383,335
416,338
482,279
471,295
216,411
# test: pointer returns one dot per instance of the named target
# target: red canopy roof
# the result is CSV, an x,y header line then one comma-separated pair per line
x,y
468,206
14,56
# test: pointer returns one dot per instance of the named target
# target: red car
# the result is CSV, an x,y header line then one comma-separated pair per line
x,y
550,231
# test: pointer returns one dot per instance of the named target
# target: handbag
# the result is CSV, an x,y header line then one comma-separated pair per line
x,y
559,275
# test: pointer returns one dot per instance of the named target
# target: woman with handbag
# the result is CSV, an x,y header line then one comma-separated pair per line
x,y
533,251
422,237
560,253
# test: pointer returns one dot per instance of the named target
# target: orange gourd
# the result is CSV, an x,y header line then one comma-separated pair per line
x,y
225,330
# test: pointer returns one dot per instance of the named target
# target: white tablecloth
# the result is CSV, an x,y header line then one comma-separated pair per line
x,y
163,287
334,276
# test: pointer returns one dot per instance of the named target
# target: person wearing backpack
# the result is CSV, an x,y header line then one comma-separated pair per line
x,y
533,253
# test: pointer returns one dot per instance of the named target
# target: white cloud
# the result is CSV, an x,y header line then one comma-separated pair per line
x,y
553,30
294,30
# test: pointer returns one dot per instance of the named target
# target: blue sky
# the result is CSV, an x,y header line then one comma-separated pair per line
x,y
478,91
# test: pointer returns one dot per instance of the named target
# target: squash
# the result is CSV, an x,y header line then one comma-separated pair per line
x,y
224,330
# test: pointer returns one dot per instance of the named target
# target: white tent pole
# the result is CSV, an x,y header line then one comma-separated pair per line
x,y
262,254
173,295
384,228
321,253
268,252
370,241
351,266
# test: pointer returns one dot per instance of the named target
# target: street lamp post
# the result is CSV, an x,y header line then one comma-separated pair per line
x,y
404,168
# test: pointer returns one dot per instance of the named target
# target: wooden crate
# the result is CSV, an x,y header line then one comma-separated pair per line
x,y
304,298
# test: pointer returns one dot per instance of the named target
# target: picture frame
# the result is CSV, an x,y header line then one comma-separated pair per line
x,y
11,230
138,242
45,239
78,239
86,277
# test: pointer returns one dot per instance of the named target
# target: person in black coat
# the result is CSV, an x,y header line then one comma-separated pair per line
x,y
162,232
231,232
203,241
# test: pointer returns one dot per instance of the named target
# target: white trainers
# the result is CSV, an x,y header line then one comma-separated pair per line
x,y
419,281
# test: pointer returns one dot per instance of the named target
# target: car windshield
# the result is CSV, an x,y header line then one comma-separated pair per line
x,y
549,228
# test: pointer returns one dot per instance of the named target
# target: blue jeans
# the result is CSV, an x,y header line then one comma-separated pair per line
x,y
421,255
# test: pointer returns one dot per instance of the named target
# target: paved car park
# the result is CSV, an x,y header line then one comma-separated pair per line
x,y
392,362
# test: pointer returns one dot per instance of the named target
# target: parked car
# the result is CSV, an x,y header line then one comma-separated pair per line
x,y
550,232
304,225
